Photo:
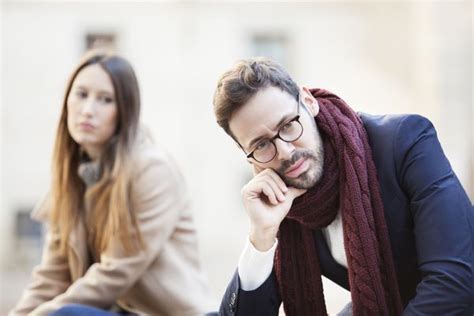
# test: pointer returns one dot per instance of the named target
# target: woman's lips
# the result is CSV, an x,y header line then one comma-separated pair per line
x,y
86,126
298,168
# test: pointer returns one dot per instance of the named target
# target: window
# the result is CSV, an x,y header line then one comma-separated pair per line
x,y
100,40
273,46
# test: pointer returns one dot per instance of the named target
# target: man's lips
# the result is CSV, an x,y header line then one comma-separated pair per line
x,y
297,168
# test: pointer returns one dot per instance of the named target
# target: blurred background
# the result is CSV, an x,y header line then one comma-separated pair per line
x,y
380,56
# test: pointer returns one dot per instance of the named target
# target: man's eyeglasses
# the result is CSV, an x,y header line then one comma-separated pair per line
x,y
265,150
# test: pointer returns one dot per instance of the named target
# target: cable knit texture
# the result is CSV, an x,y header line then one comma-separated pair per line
x,y
349,183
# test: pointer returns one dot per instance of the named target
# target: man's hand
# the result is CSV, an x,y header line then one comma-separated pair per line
x,y
267,200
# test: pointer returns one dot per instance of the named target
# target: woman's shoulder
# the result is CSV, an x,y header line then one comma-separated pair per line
x,y
155,160
154,154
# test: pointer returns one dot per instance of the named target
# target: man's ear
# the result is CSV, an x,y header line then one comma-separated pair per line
x,y
310,101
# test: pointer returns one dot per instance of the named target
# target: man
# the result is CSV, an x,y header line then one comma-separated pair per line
x,y
370,202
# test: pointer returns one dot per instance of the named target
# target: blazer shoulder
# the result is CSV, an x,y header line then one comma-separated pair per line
x,y
386,132
392,122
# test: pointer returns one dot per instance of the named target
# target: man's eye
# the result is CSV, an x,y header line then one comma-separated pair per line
x,y
287,126
262,145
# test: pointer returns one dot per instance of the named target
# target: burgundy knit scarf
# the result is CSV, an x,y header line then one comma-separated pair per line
x,y
348,184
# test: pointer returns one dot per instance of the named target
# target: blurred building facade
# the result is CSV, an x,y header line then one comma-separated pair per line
x,y
381,57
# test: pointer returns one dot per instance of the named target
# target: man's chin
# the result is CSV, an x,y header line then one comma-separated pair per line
x,y
308,178
300,182
305,181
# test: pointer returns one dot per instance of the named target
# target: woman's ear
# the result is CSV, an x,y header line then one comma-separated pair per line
x,y
309,101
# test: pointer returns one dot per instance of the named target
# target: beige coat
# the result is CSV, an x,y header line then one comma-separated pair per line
x,y
166,279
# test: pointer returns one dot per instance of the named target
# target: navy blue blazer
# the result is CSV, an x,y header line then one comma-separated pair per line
x,y
430,221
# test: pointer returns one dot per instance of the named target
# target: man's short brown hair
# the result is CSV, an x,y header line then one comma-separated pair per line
x,y
247,77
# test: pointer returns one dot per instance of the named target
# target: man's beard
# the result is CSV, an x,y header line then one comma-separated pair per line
x,y
310,177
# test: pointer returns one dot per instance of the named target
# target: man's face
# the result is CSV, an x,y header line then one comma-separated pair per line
x,y
299,163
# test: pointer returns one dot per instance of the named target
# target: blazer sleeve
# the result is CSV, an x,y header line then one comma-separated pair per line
x,y
265,300
443,222
160,196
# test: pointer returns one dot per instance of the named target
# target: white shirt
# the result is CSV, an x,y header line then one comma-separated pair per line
x,y
255,266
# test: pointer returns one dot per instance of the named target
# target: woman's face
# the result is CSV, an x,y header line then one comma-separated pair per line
x,y
92,110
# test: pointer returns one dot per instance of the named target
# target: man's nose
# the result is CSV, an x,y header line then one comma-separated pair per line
x,y
284,149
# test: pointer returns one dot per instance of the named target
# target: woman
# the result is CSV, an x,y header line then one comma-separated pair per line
x,y
121,235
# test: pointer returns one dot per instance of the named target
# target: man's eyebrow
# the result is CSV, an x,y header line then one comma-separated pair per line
x,y
283,120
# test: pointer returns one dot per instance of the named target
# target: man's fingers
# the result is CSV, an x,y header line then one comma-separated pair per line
x,y
269,193
268,182
273,179
294,192
273,176
279,193
278,180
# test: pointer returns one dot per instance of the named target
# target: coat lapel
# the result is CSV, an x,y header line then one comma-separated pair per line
x,y
79,259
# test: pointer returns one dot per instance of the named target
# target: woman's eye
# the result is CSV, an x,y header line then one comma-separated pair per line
x,y
81,94
106,99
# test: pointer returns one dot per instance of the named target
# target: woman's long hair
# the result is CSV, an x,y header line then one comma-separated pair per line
x,y
110,214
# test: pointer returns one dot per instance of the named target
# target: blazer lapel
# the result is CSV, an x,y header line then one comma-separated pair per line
x,y
329,267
